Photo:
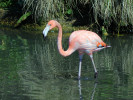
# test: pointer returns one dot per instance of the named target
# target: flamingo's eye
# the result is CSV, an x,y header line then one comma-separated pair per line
x,y
50,24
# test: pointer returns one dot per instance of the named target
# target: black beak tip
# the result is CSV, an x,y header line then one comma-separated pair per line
x,y
44,37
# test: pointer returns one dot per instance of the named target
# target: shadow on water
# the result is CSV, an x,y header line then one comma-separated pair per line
x,y
31,68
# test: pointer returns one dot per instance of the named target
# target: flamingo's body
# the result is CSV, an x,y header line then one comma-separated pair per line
x,y
84,41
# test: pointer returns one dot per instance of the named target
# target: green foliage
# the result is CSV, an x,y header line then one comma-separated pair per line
x,y
104,31
69,11
51,9
105,12
22,18
46,9
5,3
117,11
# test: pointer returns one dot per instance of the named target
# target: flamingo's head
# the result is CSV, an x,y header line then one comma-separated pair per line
x,y
51,24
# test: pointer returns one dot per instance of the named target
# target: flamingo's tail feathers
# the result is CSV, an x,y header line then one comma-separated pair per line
x,y
102,45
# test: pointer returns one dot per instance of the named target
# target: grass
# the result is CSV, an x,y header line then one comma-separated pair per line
x,y
103,13
121,12
108,10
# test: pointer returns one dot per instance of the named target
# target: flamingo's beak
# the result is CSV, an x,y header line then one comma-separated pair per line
x,y
45,31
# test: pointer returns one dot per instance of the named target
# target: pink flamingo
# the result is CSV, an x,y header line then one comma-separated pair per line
x,y
84,41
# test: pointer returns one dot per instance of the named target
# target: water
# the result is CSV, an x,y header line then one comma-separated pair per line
x,y
31,68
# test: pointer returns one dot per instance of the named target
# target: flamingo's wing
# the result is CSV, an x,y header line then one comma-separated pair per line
x,y
86,40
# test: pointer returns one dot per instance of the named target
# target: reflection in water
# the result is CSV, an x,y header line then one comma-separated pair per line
x,y
80,93
32,69
93,93
80,90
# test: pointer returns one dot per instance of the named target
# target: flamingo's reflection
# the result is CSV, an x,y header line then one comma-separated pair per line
x,y
80,90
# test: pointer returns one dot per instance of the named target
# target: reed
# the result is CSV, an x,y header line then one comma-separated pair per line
x,y
45,9
49,9
119,11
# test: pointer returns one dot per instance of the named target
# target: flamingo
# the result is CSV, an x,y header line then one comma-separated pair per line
x,y
82,40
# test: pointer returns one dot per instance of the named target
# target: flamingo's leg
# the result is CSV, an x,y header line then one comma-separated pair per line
x,y
80,63
95,75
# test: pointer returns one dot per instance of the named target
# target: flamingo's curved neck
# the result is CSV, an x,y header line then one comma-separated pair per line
x,y
70,50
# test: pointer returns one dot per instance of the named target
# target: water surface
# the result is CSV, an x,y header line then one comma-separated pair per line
x,y
31,68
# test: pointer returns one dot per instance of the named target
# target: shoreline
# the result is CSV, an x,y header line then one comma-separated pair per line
x,y
67,26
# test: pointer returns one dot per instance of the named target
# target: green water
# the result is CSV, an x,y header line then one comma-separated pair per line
x,y
31,68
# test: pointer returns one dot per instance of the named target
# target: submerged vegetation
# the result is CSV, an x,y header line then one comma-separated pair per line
x,y
112,14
